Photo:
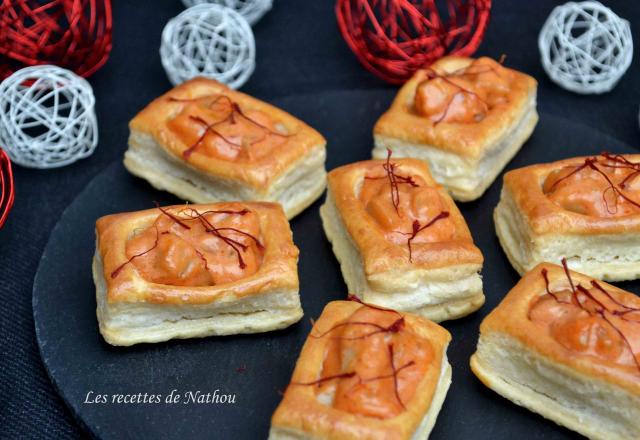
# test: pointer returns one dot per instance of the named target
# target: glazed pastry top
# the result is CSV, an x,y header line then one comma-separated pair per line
x,y
188,247
465,95
603,186
218,127
403,203
373,363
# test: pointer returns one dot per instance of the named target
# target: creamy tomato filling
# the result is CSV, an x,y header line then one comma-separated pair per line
x,y
592,323
397,206
376,363
218,127
465,96
191,248
602,189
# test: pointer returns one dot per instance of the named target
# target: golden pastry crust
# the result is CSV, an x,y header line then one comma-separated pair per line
x,y
567,349
302,415
132,309
465,140
533,228
511,318
378,254
525,185
258,174
292,173
471,144
438,278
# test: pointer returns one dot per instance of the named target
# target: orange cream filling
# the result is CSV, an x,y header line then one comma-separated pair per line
x,y
167,252
599,328
465,96
419,203
218,127
588,192
376,372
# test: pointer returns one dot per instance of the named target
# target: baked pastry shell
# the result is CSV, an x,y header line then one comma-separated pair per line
x,y
258,174
132,310
471,141
277,271
301,415
533,229
511,318
380,256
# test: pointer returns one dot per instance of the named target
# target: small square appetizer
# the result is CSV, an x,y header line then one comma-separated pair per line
x,y
366,373
400,239
206,143
567,347
195,270
467,118
586,209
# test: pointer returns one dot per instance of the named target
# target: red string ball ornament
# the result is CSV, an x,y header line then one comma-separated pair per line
x,y
7,193
74,34
394,38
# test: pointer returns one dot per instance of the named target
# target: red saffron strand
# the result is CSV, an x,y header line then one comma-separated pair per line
x,y
118,269
237,246
601,311
231,117
624,338
597,285
416,229
613,188
622,162
171,216
432,74
208,128
395,377
394,180
203,258
322,380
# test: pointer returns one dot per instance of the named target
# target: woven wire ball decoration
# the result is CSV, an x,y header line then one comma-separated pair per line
x,y
252,10
211,41
47,117
394,38
7,190
585,47
75,34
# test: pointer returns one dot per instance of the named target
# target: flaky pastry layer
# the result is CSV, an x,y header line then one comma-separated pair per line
x,y
520,357
301,415
465,158
292,175
133,310
532,229
443,284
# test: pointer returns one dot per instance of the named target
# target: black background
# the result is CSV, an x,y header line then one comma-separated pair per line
x,y
299,51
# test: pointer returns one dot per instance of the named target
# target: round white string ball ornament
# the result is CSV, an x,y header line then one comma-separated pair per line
x,y
47,117
252,10
211,41
585,47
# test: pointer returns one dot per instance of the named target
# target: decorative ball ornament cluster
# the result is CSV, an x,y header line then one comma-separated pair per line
x,y
394,38
75,34
7,192
252,10
47,117
208,40
585,47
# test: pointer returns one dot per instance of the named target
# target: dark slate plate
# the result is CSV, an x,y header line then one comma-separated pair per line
x,y
257,367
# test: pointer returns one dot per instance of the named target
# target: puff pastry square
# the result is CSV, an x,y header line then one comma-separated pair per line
x,y
566,346
206,143
467,118
586,209
195,270
366,373
400,239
